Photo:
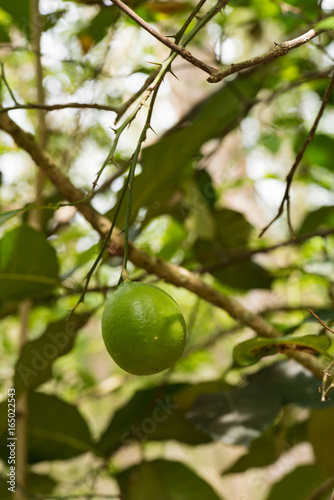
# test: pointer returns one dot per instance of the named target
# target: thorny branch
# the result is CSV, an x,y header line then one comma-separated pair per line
x,y
299,156
280,50
167,271
325,387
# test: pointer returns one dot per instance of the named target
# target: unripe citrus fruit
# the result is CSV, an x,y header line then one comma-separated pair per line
x,y
143,328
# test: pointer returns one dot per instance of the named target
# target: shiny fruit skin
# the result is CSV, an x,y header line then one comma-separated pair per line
x,y
143,328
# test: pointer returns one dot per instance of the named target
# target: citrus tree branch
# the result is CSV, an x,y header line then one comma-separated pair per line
x,y
299,157
181,51
153,265
54,107
280,50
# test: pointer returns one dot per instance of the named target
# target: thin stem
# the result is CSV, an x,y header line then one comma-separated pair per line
x,y
300,154
55,107
163,39
3,76
280,50
192,15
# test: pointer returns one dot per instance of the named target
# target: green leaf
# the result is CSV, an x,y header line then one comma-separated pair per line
x,y
37,484
34,365
321,437
151,414
5,216
251,351
244,276
56,430
326,24
321,218
28,264
267,448
299,484
319,151
100,24
238,416
163,480
20,12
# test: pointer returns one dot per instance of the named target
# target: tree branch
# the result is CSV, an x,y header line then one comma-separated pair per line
x,y
163,39
167,271
299,157
53,107
280,50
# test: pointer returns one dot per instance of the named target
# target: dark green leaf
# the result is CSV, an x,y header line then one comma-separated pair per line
x,y
34,365
251,351
244,276
56,430
37,484
298,484
236,417
321,218
206,188
319,151
20,12
321,437
98,27
267,448
152,414
28,264
163,480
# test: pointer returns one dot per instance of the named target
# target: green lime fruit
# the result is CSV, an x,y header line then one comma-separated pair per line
x,y
143,328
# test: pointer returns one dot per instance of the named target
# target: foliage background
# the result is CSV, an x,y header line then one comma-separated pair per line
x,y
209,179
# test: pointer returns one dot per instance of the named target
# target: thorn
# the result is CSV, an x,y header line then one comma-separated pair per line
x,y
154,132
170,71
154,63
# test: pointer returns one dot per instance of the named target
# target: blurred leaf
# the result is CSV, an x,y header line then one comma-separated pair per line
x,y
151,414
321,218
56,430
238,416
28,264
37,484
165,480
244,276
326,24
267,448
20,12
299,484
4,36
206,188
271,141
34,365
5,216
318,152
99,26
321,436
251,351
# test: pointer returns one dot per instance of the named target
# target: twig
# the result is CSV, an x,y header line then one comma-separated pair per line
x,y
167,271
300,154
181,51
54,107
3,76
192,15
325,388
136,96
319,320
280,50
325,486
242,255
